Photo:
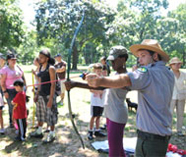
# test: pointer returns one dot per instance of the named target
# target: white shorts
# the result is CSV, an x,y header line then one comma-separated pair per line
x,y
63,88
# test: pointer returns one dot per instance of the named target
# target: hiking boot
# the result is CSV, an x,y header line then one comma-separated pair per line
x,y
36,134
90,135
99,134
49,138
2,131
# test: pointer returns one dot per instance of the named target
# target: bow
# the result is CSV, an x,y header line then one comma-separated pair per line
x,y
68,78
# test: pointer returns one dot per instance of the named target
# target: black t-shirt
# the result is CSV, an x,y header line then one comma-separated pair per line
x,y
45,77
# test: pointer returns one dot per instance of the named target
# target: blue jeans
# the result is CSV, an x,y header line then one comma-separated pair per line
x,y
12,93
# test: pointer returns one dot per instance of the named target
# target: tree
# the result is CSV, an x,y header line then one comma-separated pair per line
x,y
58,20
175,24
11,25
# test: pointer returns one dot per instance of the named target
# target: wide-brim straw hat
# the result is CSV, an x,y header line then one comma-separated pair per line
x,y
175,60
150,44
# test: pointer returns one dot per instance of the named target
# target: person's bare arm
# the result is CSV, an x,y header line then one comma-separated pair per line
x,y
3,86
72,84
62,69
39,87
117,81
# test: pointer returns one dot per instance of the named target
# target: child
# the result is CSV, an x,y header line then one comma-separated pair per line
x,y
19,110
2,131
96,106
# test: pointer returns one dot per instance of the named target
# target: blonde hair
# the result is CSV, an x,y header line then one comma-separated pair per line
x,y
97,66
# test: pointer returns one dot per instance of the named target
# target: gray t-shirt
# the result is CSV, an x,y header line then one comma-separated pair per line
x,y
155,84
114,107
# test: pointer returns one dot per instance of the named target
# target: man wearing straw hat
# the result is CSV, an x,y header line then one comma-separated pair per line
x,y
154,83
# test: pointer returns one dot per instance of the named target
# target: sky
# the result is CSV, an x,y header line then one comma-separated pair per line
x,y
29,14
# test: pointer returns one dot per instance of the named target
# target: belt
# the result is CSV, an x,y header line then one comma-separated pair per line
x,y
146,135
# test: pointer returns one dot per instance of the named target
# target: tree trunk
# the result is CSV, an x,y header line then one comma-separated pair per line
x,y
74,57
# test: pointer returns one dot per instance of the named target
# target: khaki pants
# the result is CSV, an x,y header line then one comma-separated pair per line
x,y
180,105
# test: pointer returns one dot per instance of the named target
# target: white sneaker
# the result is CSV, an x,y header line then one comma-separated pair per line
x,y
2,131
49,138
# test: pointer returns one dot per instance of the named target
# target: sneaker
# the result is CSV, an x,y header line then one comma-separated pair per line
x,y
90,135
49,138
2,131
180,133
104,127
19,139
17,132
99,134
36,134
61,104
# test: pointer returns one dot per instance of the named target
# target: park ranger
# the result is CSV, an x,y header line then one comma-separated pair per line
x,y
154,83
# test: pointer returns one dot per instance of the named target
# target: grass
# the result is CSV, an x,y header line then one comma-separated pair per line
x,y
67,143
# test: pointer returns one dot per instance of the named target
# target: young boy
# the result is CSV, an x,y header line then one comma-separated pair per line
x,y
96,106
19,110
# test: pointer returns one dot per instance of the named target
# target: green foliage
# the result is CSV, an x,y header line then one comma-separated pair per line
x,y
11,25
173,33
58,19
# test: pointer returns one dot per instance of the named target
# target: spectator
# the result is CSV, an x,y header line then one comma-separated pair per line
x,y
45,97
19,110
106,67
35,72
61,71
2,64
179,92
11,73
96,107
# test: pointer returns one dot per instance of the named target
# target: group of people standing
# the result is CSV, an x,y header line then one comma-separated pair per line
x,y
159,88
13,87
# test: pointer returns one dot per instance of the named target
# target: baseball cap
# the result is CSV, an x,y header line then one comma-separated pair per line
x,y
11,56
58,55
117,51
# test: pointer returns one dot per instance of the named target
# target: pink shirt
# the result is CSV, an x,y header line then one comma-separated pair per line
x,y
11,75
